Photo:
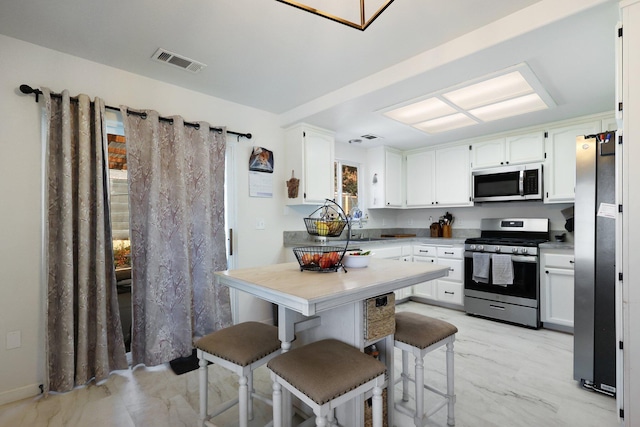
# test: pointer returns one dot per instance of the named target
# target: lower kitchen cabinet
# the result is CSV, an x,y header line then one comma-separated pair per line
x,y
400,252
447,290
557,288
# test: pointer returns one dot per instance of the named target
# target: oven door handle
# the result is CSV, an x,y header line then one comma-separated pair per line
x,y
514,258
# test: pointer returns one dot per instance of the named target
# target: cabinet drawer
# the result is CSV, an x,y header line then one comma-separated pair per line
x,y
387,252
450,252
450,292
559,260
423,250
424,259
455,268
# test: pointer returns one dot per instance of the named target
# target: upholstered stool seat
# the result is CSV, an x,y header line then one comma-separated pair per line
x,y
419,335
241,349
324,375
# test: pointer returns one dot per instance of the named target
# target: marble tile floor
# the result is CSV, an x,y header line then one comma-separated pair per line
x,y
505,376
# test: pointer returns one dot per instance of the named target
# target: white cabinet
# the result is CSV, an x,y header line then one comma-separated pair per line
x,y
510,150
453,177
557,288
560,164
428,254
309,154
420,178
438,177
400,252
449,289
385,168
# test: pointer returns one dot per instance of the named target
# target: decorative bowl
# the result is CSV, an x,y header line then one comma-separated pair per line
x,y
356,259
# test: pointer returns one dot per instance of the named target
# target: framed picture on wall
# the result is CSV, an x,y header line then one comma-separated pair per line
x,y
261,160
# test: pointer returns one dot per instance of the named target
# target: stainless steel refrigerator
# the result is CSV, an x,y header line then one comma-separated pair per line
x,y
594,351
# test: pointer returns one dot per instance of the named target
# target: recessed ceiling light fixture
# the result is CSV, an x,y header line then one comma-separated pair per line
x,y
508,93
354,13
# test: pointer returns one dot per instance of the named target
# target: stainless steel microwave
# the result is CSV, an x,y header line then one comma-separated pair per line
x,y
508,183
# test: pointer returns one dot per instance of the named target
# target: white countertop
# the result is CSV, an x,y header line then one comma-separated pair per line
x,y
308,292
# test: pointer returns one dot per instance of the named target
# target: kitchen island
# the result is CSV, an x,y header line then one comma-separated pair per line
x,y
314,306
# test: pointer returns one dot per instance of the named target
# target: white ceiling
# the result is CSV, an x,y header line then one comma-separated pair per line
x,y
271,56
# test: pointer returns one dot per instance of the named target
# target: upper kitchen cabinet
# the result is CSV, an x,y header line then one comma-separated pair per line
x,y
453,177
386,177
439,177
511,150
309,153
420,178
560,164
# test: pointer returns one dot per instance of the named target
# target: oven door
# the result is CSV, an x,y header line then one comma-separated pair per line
x,y
525,278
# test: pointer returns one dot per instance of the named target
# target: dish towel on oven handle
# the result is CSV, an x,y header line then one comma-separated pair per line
x,y
502,270
481,264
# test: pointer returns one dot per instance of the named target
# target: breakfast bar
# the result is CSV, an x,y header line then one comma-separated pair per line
x,y
314,306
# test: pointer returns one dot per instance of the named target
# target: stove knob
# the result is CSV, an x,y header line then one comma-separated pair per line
x,y
524,250
497,248
472,247
514,250
481,247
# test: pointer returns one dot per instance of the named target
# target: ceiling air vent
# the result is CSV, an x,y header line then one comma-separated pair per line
x,y
183,62
370,136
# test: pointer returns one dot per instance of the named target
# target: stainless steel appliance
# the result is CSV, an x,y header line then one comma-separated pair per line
x,y
515,238
506,183
594,338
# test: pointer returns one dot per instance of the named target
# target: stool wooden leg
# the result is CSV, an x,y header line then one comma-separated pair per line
x,y
450,393
376,407
204,384
251,391
243,401
405,376
277,403
419,396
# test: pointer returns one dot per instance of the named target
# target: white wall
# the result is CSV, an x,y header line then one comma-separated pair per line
x,y
21,305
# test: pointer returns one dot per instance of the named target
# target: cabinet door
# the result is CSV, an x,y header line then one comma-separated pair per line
x,y
527,148
560,165
557,296
488,154
425,289
453,178
393,182
420,173
318,158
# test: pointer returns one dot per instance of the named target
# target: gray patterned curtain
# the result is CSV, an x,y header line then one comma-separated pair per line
x,y
83,332
176,201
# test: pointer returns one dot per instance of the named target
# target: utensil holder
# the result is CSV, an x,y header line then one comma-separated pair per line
x,y
446,230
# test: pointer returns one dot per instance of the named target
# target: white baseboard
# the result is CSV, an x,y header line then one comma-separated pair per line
x,y
16,394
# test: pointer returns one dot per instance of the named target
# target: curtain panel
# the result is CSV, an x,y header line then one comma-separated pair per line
x,y
83,332
176,198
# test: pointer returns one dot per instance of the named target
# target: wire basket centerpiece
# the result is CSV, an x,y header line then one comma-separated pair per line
x,y
329,220
319,258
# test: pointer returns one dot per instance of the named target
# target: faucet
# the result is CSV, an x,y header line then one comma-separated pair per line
x,y
356,213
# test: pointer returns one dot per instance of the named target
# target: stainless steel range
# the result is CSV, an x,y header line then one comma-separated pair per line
x,y
502,270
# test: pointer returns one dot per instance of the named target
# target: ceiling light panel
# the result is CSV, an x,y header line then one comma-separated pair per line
x,y
509,108
443,124
421,111
490,91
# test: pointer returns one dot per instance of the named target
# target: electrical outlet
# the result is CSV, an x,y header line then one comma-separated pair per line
x,y
260,224
384,222
410,222
14,340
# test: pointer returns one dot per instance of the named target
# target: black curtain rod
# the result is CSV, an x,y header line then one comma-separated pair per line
x,y
28,90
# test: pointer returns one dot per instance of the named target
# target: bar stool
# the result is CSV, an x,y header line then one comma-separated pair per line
x,y
241,348
324,375
419,335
